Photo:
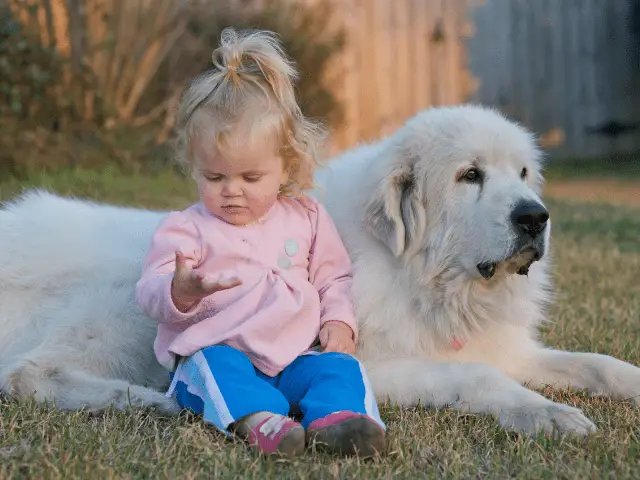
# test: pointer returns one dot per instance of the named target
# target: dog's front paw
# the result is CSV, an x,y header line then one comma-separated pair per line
x,y
549,418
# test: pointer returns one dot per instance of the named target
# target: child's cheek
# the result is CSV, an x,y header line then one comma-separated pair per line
x,y
208,191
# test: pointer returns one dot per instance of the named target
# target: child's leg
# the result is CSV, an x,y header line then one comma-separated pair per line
x,y
326,383
221,383
337,402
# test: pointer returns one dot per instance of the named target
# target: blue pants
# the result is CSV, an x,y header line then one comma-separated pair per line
x,y
222,384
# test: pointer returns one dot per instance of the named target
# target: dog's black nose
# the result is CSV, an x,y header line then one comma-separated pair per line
x,y
530,217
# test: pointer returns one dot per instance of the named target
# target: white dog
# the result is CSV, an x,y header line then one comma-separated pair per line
x,y
448,237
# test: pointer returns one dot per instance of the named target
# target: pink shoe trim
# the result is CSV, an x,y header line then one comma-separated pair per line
x,y
336,418
268,441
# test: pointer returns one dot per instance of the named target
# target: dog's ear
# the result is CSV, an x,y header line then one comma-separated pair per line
x,y
395,214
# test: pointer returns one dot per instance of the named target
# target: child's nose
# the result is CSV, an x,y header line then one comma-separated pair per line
x,y
231,188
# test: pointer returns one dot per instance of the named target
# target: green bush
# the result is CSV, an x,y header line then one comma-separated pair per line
x,y
36,89
42,126
29,75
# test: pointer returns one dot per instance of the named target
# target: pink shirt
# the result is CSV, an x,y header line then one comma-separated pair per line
x,y
295,274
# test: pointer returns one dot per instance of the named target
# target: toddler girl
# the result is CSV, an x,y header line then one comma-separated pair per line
x,y
246,282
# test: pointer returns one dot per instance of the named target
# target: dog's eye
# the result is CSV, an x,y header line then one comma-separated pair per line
x,y
472,175
523,173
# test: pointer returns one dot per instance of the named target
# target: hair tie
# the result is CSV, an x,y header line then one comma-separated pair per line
x,y
232,72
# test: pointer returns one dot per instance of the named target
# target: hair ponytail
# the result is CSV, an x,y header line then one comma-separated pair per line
x,y
251,71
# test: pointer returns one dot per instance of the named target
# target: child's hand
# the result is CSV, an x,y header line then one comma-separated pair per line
x,y
336,336
189,287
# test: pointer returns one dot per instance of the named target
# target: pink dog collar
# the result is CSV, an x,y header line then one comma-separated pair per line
x,y
457,344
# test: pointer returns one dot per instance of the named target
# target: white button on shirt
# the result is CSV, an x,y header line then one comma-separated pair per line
x,y
291,247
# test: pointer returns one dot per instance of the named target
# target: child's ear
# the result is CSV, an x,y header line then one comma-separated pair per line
x,y
285,177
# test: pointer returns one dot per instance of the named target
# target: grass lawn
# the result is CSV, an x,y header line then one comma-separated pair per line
x,y
596,249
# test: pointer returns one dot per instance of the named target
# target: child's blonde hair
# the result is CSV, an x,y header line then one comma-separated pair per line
x,y
252,80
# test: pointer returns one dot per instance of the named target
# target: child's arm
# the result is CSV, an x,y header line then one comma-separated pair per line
x,y
331,273
153,291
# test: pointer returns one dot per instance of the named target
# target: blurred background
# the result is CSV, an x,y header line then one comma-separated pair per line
x,y
88,85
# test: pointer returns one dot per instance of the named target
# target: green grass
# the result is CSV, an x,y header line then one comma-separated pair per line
x,y
596,251
619,167
609,224
162,190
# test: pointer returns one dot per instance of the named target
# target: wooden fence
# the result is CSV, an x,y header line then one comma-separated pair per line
x,y
400,57
567,69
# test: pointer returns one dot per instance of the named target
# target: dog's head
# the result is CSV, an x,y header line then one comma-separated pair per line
x,y
462,190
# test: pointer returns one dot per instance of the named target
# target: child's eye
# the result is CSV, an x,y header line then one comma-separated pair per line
x,y
252,178
213,178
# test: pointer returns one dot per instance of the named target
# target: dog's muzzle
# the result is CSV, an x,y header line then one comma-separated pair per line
x,y
529,219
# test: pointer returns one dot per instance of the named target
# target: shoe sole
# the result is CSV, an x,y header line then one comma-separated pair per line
x,y
293,443
355,436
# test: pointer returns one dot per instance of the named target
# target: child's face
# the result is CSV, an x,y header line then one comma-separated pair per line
x,y
241,184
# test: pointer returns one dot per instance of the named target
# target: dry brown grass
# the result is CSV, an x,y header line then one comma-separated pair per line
x,y
615,192
596,250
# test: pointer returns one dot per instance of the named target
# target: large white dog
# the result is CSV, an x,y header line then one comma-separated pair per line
x,y
448,236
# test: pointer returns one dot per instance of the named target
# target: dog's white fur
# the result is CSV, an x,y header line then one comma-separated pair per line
x,y
70,329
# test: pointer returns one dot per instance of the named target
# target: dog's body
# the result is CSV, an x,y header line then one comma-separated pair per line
x,y
438,218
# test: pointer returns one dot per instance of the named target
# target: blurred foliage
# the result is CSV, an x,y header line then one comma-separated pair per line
x,y
29,74
32,86
43,121
27,152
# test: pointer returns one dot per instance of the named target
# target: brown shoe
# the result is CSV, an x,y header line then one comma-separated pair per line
x,y
347,433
